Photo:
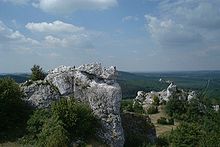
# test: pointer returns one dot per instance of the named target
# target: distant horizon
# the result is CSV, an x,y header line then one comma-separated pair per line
x,y
132,72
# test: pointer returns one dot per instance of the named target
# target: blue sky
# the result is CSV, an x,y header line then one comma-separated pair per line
x,y
134,35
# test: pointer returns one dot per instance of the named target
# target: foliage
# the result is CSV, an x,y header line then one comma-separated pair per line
x,y
137,108
13,110
152,110
176,107
37,73
187,134
165,121
127,105
156,100
200,125
78,118
53,134
131,106
66,120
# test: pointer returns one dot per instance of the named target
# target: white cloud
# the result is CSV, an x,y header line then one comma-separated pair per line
x,y
14,39
189,24
56,26
130,18
17,2
68,6
200,13
168,32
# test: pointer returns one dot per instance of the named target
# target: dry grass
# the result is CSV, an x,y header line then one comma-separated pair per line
x,y
10,144
161,129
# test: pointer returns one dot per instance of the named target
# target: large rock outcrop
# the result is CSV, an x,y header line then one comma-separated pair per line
x,y
89,83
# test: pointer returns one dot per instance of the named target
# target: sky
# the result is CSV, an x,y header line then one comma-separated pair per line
x,y
134,35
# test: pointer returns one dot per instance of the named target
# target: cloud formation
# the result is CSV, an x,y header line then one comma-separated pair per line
x,y
17,2
130,18
56,26
14,40
193,24
68,6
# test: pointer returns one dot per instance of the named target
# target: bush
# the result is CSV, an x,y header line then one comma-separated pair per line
x,y
176,108
37,73
127,105
66,120
187,134
13,110
78,118
137,108
156,100
165,121
152,110
53,134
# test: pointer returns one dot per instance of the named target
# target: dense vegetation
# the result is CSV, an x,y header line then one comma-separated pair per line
x,y
13,110
200,123
64,122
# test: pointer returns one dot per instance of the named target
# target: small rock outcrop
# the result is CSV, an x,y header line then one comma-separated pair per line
x,y
146,99
89,83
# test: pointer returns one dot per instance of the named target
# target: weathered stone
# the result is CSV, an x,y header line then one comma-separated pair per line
x,y
40,94
146,98
89,84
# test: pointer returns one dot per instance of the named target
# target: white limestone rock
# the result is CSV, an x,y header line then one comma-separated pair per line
x,y
40,94
89,84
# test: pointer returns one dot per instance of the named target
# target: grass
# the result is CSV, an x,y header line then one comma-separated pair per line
x,y
10,144
161,129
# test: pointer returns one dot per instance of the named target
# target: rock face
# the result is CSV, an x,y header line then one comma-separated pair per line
x,y
40,94
91,84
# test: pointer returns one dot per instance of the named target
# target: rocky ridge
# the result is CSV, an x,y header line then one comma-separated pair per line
x,y
89,83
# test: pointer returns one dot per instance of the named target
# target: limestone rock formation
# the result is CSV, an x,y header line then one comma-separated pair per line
x,y
146,98
40,94
91,84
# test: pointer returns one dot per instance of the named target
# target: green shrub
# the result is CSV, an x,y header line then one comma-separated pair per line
x,y
156,100
162,120
137,108
78,118
127,105
65,121
53,134
152,110
165,121
176,108
187,134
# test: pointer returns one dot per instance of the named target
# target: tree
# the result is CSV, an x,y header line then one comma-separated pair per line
x,y
13,110
37,73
